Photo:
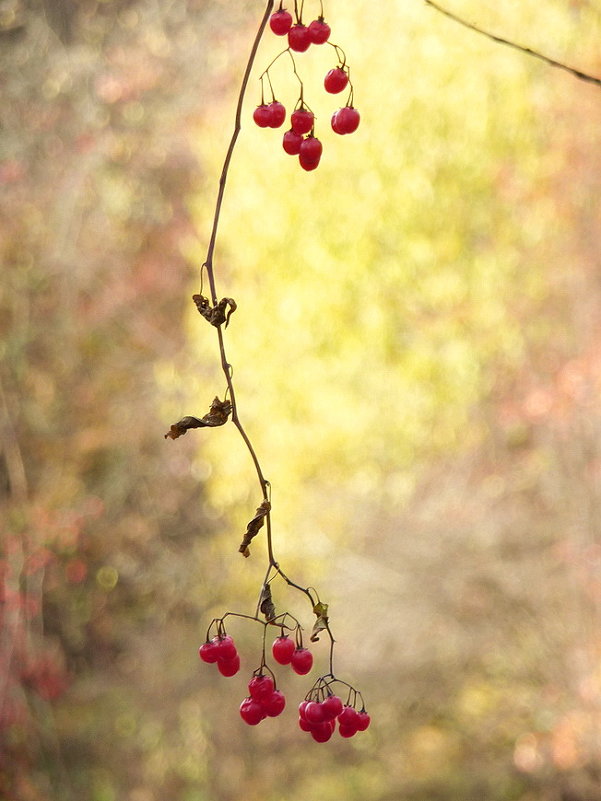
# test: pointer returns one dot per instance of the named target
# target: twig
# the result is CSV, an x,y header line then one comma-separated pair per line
x,y
273,566
583,76
208,264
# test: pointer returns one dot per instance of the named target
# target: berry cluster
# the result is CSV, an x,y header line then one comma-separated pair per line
x,y
300,37
318,714
221,650
319,711
263,700
300,139
286,652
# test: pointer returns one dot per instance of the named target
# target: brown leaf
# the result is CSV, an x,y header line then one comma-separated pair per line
x,y
179,429
216,315
321,624
216,416
252,529
218,413
266,603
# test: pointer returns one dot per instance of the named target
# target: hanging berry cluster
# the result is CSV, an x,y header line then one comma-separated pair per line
x,y
300,139
321,707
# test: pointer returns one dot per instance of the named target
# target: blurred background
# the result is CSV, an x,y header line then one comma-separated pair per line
x,y
416,357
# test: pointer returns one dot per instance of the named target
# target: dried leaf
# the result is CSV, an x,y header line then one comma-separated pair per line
x,y
218,413
179,429
321,624
266,603
216,416
216,315
252,529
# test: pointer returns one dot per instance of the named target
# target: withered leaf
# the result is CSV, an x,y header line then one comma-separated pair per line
x,y
252,529
266,603
321,624
216,416
216,315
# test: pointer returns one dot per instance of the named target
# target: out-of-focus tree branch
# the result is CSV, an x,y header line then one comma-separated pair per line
x,y
583,76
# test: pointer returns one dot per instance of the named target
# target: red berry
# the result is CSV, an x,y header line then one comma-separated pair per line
x,y
321,733
280,22
251,712
260,687
309,156
335,127
225,647
208,652
363,721
301,708
277,114
348,717
347,120
291,144
332,707
301,120
347,731
304,725
302,658
335,80
262,115
319,31
229,667
299,38
274,704
283,647
308,164
314,713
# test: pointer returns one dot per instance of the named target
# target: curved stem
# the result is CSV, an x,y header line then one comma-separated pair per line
x,y
228,157
272,62
225,365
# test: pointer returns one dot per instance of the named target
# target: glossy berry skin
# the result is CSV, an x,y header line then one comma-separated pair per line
x,y
229,667
280,22
274,704
302,658
332,707
314,712
251,712
291,144
348,119
208,652
319,31
322,733
262,116
283,647
348,717
299,38
301,121
347,731
363,720
225,647
302,724
335,127
309,156
335,81
277,114
260,688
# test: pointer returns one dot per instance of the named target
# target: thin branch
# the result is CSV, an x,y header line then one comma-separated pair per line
x,y
273,565
228,157
583,76
208,264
